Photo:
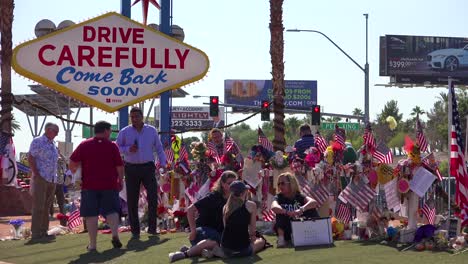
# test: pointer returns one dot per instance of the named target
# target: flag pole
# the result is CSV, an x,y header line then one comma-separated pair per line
x,y
449,146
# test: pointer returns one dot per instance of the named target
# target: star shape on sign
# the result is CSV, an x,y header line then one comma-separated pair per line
x,y
145,7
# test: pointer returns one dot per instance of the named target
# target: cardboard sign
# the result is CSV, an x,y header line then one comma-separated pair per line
x,y
109,62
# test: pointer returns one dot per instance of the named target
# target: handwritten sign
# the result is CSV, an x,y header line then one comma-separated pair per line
x,y
393,201
109,62
422,180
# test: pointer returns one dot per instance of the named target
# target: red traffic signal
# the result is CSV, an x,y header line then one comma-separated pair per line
x,y
214,100
265,104
317,109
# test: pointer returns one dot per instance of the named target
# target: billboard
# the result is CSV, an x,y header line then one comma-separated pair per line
x,y
424,58
299,94
109,62
190,117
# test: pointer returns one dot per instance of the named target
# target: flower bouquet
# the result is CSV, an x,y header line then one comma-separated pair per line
x,y
17,225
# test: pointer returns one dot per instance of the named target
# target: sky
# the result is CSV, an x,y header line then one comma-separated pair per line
x,y
236,38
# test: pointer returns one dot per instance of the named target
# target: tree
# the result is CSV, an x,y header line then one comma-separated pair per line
x,y
6,23
417,111
390,109
292,125
277,63
357,112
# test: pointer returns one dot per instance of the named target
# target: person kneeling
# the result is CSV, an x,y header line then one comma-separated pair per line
x,y
239,237
290,203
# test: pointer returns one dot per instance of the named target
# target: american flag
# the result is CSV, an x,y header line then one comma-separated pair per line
x,y
183,154
320,142
429,212
343,212
169,155
358,195
74,220
457,160
230,145
268,215
430,162
263,140
383,154
368,137
320,194
214,152
340,136
422,141
304,186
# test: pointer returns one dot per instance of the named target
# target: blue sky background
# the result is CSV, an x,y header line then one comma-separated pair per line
x,y
235,36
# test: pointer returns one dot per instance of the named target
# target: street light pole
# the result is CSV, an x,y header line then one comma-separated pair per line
x,y
364,69
366,75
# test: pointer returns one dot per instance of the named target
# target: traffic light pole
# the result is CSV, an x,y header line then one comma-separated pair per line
x,y
293,111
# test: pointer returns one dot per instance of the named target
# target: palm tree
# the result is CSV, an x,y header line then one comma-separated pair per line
x,y
277,63
6,22
358,112
417,111
292,125
15,126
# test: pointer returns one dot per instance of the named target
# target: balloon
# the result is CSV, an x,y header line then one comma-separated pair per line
x,y
392,123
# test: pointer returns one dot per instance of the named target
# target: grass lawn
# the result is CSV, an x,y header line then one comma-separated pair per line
x,y
71,249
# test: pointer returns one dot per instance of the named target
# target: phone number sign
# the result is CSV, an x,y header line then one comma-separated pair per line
x,y
190,117
109,62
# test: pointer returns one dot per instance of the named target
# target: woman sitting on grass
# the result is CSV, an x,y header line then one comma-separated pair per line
x,y
290,203
205,232
239,237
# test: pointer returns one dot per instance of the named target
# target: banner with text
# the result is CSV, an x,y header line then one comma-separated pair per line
x,y
299,94
190,117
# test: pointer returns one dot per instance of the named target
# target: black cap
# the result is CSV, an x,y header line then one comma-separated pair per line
x,y
237,187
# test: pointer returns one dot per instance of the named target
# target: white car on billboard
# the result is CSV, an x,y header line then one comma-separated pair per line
x,y
448,59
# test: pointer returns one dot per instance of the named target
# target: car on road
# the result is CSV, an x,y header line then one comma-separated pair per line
x,y
448,59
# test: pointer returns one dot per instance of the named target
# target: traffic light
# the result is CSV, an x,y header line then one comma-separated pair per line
x,y
265,111
214,106
316,115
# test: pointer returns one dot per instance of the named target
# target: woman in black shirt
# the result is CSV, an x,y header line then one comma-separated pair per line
x,y
288,204
239,216
206,230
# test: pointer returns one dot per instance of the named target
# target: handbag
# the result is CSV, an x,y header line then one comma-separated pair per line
x,y
312,232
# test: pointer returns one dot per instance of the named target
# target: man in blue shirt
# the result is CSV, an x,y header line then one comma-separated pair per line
x,y
305,142
43,156
137,143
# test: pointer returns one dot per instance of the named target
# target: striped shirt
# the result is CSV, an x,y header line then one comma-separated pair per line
x,y
303,144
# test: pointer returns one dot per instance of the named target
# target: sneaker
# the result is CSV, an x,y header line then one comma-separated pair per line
x,y
219,252
116,243
174,256
206,253
281,243
184,248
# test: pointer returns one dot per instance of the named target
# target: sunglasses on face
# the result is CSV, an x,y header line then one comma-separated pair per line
x,y
282,183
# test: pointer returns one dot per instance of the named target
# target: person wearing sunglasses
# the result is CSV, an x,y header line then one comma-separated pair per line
x,y
290,203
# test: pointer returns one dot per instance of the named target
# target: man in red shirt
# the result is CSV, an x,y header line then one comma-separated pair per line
x,y
102,176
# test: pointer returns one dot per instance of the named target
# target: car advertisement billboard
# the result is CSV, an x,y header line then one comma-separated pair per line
x,y
299,94
425,56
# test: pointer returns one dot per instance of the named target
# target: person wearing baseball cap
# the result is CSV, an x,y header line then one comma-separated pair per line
x,y
239,237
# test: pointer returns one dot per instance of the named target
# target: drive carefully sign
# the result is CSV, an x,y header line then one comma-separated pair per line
x,y
110,61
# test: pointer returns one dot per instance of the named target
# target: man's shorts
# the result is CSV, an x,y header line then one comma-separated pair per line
x,y
204,232
94,203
